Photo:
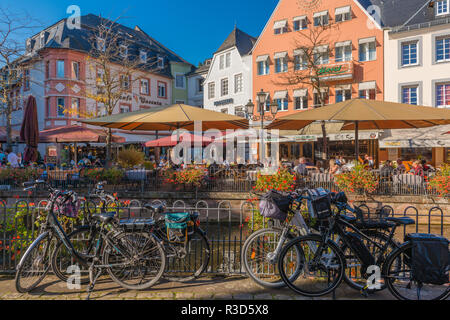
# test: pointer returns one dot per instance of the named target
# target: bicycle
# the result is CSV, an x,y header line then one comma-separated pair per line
x,y
321,259
128,255
185,243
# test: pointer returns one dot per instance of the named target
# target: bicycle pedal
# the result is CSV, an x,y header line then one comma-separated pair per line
x,y
364,292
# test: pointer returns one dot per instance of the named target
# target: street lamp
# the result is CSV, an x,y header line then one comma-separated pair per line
x,y
261,99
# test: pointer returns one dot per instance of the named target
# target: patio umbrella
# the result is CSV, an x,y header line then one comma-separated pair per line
x,y
169,142
367,114
74,134
177,116
29,132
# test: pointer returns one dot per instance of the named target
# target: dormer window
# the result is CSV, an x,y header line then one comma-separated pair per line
x,y
42,40
123,51
160,62
143,56
101,45
29,45
442,7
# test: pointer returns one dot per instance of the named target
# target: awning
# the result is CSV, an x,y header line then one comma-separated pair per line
x,y
299,52
343,43
15,134
342,10
73,134
367,40
299,18
280,55
344,87
280,95
321,13
321,90
300,93
368,85
171,141
323,48
280,24
262,58
433,137
131,138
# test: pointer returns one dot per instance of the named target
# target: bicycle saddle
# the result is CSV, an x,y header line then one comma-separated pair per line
x,y
104,217
349,219
402,221
156,208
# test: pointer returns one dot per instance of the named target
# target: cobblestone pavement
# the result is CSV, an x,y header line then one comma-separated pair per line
x,y
206,288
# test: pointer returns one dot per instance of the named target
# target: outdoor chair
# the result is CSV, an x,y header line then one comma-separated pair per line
x,y
408,183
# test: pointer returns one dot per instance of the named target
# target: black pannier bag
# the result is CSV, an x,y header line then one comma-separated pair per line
x,y
319,204
430,258
275,205
360,249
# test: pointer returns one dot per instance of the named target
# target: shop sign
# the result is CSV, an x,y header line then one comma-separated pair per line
x,y
224,102
351,136
305,138
144,100
339,71
410,143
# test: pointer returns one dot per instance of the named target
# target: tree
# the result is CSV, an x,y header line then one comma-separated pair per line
x,y
13,73
314,51
116,62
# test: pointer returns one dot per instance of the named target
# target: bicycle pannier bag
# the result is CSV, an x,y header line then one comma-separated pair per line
x,y
177,226
275,205
361,251
429,258
319,205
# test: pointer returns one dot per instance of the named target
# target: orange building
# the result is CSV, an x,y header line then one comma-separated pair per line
x,y
349,43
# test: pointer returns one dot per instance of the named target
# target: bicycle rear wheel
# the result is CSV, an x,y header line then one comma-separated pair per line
x,y
135,261
258,260
318,276
34,265
400,281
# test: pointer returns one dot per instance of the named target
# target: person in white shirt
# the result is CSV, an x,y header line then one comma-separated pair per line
x,y
13,159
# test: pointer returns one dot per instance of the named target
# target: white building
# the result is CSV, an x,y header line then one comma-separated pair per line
x,y
196,82
228,85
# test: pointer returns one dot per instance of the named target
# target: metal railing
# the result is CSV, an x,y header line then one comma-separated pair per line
x,y
226,227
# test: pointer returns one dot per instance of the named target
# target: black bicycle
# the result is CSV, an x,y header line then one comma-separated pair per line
x,y
132,257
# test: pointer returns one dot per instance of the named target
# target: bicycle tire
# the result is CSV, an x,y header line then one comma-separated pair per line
x,y
278,283
205,254
373,234
152,250
403,254
57,266
340,264
44,239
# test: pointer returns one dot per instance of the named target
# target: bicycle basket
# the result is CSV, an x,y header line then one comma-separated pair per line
x,y
177,226
430,258
319,204
68,206
275,205
368,220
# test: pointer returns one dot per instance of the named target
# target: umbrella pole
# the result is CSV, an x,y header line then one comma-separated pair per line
x,y
357,141
76,153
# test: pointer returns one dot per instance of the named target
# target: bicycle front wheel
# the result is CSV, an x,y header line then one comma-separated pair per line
x,y
135,261
258,257
321,272
401,283
34,265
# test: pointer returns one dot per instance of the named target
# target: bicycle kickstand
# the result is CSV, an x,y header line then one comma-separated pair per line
x,y
365,292
93,280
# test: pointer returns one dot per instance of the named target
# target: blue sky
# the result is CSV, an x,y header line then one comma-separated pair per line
x,y
194,29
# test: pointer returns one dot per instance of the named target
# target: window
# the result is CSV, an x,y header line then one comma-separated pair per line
x,y
179,81
60,68
263,67
160,62
343,14
409,95
124,109
367,94
367,50
321,55
200,85
26,80
143,56
281,62
145,87
123,51
301,103
222,62
162,90
280,98
76,70
238,85
47,70
75,109
321,18
409,54
443,95
443,49
343,52
101,44
211,90
324,96
343,94
280,27
283,104
42,40
224,87
224,110
300,23
228,60
125,82
300,60
60,102
442,7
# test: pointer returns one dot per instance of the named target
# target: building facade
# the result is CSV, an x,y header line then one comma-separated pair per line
x,y
196,84
228,84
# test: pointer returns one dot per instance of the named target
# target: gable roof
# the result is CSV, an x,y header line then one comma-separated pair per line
x,y
239,39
